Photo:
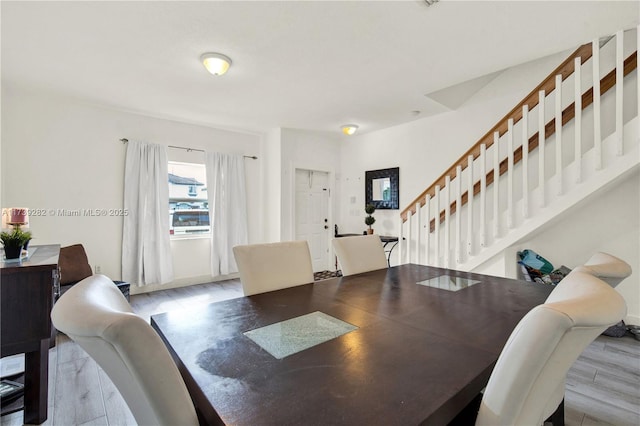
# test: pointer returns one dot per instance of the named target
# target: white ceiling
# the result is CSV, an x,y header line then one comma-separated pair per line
x,y
296,64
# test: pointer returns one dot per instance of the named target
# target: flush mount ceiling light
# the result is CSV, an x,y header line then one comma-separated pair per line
x,y
349,129
215,63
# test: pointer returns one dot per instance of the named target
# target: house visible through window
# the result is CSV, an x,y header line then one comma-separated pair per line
x,y
188,204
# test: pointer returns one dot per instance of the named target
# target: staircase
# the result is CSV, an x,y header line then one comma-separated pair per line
x,y
575,134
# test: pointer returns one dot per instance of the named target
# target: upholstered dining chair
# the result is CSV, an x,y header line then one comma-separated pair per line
x,y
608,268
359,254
527,384
273,266
96,315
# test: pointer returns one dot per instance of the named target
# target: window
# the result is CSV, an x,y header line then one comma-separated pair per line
x,y
188,203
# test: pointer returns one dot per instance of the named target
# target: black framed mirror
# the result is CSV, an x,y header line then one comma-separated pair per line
x,y
382,188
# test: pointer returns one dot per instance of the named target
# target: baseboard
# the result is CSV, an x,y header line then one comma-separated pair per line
x,y
632,320
180,282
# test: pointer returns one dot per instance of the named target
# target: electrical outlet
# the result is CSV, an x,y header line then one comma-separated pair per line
x,y
98,269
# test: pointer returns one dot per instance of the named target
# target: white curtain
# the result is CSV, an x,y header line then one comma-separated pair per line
x,y
227,208
146,251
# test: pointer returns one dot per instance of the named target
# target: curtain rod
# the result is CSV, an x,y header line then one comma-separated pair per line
x,y
253,157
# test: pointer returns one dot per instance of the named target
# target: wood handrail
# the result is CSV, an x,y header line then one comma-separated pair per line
x,y
565,69
606,83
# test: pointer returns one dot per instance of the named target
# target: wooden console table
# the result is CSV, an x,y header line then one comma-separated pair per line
x,y
26,299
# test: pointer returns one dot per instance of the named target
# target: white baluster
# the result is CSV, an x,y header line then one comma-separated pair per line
x,y
525,161
400,241
458,214
470,198
418,231
436,231
558,125
638,79
496,185
483,196
619,90
597,134
447,220
427,241
510,173
541,147
577,74
409,235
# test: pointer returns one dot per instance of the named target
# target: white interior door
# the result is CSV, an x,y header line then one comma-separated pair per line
x,y
312,215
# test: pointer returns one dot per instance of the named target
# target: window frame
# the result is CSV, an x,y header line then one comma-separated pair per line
x,y
188,200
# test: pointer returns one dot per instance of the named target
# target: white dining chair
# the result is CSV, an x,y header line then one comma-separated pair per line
x,y
607,267
527,384
96,315
359,254
273,266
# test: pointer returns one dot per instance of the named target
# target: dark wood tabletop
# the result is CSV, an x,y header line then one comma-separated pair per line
x,y
418,356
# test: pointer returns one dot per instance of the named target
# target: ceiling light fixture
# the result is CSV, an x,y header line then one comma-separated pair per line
x,y
349,129
215,63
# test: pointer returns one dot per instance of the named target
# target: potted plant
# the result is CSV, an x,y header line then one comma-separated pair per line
x,y
13,242
369,220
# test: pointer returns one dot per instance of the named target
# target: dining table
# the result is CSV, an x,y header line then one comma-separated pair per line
x,y
406,345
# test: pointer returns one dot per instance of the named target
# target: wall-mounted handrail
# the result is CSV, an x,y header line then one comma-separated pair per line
x,y
565,69
606,83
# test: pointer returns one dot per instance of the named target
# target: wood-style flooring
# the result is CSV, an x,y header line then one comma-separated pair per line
x,y
603,386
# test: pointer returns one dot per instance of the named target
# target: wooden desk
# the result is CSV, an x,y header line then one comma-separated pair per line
x,y
26,299
419,354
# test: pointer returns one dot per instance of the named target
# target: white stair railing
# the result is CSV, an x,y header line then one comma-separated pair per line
x,y
504,209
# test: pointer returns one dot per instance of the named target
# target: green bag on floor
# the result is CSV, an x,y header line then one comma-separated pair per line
x,y
533,260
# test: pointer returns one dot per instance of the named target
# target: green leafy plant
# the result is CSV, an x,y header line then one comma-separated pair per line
x,y
15,238
369,220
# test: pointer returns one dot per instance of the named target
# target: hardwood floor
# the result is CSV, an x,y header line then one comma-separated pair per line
x,y
603,386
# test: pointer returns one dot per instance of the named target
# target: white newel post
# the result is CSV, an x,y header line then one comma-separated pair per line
x,y
447,220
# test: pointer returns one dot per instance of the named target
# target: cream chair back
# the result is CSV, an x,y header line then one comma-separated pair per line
x,y
359,254
608,268
273,266
96,315
527,383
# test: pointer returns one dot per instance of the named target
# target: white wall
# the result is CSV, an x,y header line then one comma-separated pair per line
x,y
272,186
608,222
61,154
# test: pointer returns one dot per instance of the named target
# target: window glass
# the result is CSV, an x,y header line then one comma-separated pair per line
x,y
188,204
